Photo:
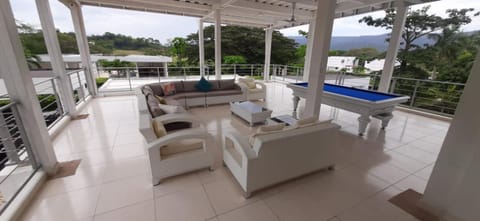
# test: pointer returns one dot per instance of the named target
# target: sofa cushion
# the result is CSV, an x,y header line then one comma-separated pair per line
x,y
223,93
215,85
171,109
153,106
172,101
158,128
194,94
189,86
180,147
227,84
156,88
179,86
203,85
169,88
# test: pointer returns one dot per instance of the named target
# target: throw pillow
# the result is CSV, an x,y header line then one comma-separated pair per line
x,y
203,85
161,100
158,128
168,88
170,109
153,107
251,85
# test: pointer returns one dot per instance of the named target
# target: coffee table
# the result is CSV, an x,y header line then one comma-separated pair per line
x,y
250,112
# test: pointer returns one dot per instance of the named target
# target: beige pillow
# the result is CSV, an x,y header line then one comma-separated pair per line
x,y
266,130
251,84
158,128
161,100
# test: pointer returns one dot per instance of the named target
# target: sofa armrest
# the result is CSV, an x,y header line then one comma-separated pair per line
x,y
241,145
242,86
194,133
179,117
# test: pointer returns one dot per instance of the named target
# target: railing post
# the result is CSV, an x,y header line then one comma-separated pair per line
x,y
57,97
412,100
392,86
128,78
158,73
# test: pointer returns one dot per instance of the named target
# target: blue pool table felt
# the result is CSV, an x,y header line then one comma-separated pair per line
x,y
353,92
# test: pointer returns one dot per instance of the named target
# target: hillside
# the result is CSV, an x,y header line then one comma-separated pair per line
x,y
366,41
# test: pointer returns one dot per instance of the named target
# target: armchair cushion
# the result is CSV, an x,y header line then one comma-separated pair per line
x,y
158,128
227,84
181,146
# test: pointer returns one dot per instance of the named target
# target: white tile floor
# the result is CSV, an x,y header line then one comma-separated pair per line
x,y
113,181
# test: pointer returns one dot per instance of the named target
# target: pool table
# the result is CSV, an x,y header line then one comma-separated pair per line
x,y
364,102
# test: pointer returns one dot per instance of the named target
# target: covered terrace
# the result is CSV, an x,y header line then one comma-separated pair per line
x,y
108,185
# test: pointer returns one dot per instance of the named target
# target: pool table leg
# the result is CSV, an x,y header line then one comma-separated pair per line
x,y
363,121
296,99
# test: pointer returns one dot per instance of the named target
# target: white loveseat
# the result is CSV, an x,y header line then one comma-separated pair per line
x,y
279,156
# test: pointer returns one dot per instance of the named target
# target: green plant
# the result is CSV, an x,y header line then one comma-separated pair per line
x,y
100,81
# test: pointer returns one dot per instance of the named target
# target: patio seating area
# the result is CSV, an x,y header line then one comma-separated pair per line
x,y
113,180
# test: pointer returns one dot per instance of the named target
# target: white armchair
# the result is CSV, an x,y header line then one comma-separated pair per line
x,y
278,156
253,90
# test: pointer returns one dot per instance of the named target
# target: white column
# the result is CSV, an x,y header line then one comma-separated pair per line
x,y
55,54
165,69
321,36
393,46
268,53
452,191
218,45
16,75
82,42
201,48
306,65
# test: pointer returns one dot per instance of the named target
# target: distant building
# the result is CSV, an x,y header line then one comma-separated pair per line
x,y
338,63
376,65
147,65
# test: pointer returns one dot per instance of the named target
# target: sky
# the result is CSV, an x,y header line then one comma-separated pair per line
x,y
164,27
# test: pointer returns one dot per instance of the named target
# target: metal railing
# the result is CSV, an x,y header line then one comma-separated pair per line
x,y
434,96
17,161
78,82
50,101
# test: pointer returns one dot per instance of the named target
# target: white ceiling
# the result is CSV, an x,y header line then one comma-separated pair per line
x,y
256,13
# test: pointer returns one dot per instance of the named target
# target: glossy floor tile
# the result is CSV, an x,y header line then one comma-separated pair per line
x,y
113,180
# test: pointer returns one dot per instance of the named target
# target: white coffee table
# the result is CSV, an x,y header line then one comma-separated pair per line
x,y
250,112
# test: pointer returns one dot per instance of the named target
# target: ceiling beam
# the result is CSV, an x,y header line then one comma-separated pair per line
x,y
272,9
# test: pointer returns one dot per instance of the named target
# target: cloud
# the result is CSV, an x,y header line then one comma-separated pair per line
x,y
99,20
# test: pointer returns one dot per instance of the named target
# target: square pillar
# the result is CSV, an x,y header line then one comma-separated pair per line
x,y
16,75
268,53
82,43
218,44
393,46
321,36
452,191
308,53
201,48
56,58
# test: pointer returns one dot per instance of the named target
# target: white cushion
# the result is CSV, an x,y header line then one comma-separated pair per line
x,y
170,109
266,130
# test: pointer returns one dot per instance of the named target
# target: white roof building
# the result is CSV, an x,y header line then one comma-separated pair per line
x,y
337,63
376,65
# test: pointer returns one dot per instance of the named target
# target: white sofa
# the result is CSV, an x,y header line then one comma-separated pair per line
x,y
179,151
253,90
279,156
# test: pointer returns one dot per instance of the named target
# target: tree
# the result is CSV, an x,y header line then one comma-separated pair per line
x,y
234,59
178,47
242,41
419,23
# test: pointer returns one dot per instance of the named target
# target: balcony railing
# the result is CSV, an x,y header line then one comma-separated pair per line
x,y
78,82
17,161
433,96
